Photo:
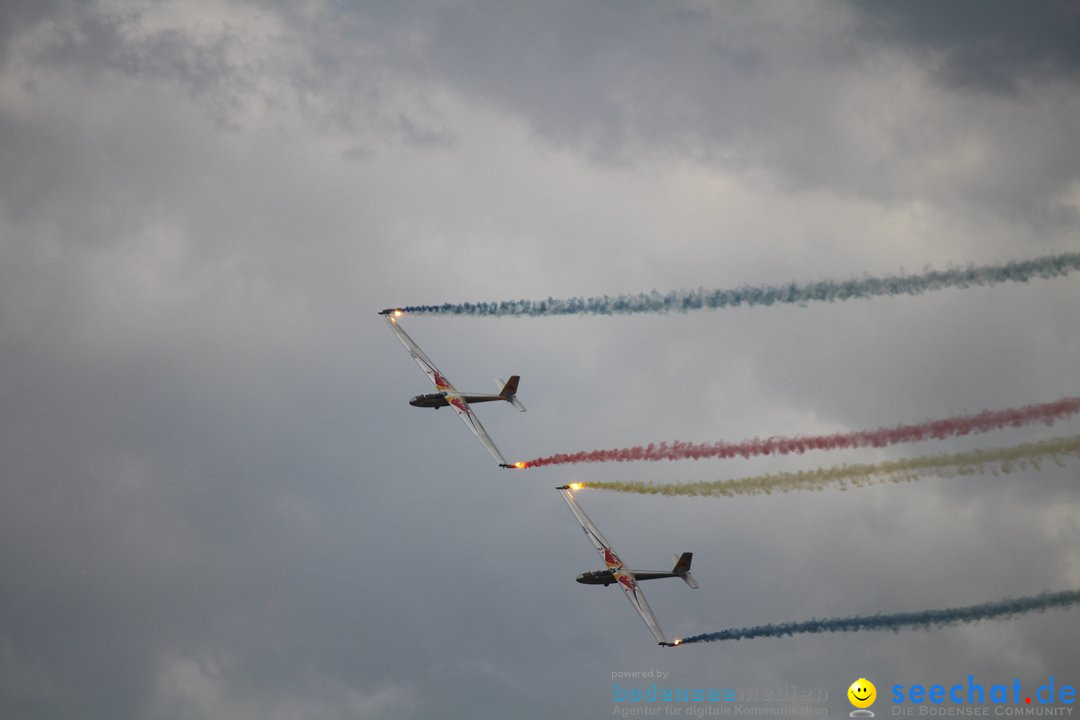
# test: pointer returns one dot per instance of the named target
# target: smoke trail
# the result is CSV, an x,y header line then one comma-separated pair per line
x,y
792,293
999,461
924,619
985,421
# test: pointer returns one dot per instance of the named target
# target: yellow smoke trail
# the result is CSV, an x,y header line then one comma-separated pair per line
x,y
997,461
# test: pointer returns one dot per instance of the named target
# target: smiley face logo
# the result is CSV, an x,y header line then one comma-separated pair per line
x,y
862,693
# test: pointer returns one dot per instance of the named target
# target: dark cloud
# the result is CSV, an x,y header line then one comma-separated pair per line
x,y
990,46
19,15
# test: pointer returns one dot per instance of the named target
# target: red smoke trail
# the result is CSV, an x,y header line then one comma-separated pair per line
x,y
985,421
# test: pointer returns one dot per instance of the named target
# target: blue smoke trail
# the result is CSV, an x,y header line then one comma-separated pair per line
x,y
924,619
793,293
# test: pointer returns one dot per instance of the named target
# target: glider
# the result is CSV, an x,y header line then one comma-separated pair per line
x,y
618,573
447,395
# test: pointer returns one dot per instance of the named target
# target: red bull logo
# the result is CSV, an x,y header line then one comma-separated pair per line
x,y
459,404
611,558
441,383
627,581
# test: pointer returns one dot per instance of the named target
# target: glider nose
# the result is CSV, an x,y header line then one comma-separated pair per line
x,y
581,579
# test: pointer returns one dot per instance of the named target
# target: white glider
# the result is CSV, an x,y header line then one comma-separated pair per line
x,y
617,572
448,395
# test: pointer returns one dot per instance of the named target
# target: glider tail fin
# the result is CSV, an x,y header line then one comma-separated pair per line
x,y
682,569
509,392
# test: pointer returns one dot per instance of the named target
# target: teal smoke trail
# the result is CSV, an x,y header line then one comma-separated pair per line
x,y
792,293
925,619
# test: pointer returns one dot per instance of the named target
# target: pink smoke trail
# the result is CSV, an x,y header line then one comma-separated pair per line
x,y
984,421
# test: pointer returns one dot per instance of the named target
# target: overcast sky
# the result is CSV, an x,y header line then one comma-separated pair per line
x,y
215,501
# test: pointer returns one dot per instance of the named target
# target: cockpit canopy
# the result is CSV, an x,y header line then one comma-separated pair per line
x,y
429,400
596,577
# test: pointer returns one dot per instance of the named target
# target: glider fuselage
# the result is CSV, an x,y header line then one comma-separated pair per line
x,y
438,400
607,577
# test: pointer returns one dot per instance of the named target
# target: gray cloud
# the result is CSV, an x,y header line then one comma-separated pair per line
x,y
214,499
810,96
